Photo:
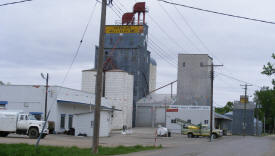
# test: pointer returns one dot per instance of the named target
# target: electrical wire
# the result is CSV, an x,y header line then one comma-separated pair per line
x,y
11,3
153,45
236,79
219,13
79,45
179,28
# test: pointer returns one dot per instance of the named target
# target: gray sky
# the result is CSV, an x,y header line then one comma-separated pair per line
x,y
42,36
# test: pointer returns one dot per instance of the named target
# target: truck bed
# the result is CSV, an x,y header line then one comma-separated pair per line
x,y
8,122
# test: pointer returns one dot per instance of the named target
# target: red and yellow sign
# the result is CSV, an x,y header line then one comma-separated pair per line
x,y
123,29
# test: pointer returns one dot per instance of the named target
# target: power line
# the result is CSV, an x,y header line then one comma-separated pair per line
x,y
80,43
178,27
195,34
236,79
154,46
219,13
11,3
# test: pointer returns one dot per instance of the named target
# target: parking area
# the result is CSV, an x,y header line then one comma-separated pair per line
x,y
139,136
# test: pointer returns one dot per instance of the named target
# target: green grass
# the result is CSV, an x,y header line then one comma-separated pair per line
x,y
29,150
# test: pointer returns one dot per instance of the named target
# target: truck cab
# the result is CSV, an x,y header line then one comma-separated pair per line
x,y
201,130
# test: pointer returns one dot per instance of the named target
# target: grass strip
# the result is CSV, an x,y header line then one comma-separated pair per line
x,y
29,150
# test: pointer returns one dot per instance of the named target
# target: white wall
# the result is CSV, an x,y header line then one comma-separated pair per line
x,y
82,123
88,81
28,98
152,77
197,115
119,90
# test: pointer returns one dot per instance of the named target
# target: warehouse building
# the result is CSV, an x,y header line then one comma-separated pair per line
x,y
194,85
151,110
117,89
66,106
243,118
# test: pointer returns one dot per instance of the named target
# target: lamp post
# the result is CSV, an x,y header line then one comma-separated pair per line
x,y
46,94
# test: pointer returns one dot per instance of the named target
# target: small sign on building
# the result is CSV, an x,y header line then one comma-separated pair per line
x,y
123,29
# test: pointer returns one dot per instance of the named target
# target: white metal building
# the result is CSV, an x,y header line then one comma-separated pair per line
x,y
194,114
118,88
63,102
151,110
88,126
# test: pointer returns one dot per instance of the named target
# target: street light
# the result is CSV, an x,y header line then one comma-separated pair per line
x,y
46,96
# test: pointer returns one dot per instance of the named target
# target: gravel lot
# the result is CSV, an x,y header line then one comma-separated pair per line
x,y
139,136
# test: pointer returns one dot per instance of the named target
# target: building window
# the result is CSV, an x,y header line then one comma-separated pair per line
x,y
62,121
206,122
189,121
70,121
173,121
26,104
201,64
183,64
3,104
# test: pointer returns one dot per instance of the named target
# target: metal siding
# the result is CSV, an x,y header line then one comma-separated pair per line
x,y
130,54
82,124
238,119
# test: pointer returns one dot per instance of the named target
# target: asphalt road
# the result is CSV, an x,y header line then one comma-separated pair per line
x,y
229,146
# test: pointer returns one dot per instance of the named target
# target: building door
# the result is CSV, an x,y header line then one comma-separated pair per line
x,y
144,116
70,124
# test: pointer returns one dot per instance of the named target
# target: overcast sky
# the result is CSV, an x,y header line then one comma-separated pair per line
x,y
43,35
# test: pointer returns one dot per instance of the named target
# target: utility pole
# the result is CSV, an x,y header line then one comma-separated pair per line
x,y
46,94
211,99
46,97
257,120
244,113
99,78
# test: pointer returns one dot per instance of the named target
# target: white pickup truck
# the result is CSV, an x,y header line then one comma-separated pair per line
x,y
20,123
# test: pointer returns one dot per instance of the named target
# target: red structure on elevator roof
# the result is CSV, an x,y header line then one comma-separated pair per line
x,y
129,18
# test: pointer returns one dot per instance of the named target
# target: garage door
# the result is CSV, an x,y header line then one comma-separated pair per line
x,y
144,117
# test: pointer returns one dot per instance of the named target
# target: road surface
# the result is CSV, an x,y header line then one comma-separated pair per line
x,y
229,146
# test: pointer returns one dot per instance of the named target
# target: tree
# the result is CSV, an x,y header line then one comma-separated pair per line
x,y
227,108
269,69
265,98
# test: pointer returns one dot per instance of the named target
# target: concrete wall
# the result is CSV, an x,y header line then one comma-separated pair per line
x,y
88,81
118,90
152,75
194,85
84,123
